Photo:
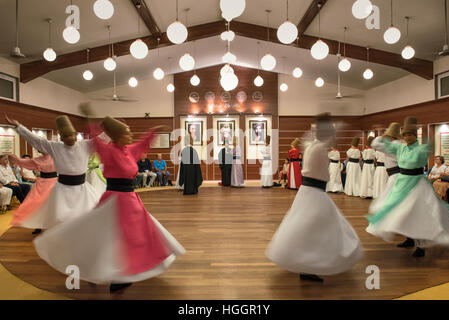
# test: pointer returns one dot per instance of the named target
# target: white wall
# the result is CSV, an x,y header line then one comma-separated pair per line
x,y
151,95
44,93
304,98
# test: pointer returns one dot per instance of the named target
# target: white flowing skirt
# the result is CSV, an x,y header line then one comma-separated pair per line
x,y
367,180
380,180
353,175
92,242
314,237
64,203
334,184
266,174
421,215
93,178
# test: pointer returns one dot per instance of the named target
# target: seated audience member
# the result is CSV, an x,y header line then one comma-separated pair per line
x,y
27,175
161,170
441,185
5,198
145,171
9,180
437,169
283,174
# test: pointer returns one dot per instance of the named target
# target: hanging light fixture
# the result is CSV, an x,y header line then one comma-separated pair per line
x,y
287,31
103,9
225,69
49,53
170,86
361,9
158,73
368,73
110,64
88,75
138,48
319,82
177,32
297,72
344,64
132,82
392,34
186,62
71,35
229,81
195,80
320,49
268,62
408,52
283,87
229,58
258,81
231,9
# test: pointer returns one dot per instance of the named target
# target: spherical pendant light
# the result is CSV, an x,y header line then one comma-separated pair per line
x,y
227,35
344,65
225,69
170,87
139,49
231,9
195,80
228,57
50,54
408,52
283,87
361,9
158,74
287,32
133,82
71,35
177,32
268,62
229,81
368,74
187,62
258,81
319,50
392,35
88,75
103,9
319,82
297,72
109,64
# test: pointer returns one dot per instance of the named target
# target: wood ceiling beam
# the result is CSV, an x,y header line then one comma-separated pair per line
x,y
147,17
309,16
35,69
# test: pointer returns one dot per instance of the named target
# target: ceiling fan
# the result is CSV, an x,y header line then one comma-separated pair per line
x,y
115,97
445,51
15,52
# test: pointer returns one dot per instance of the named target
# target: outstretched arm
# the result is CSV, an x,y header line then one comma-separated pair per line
x,y
24,163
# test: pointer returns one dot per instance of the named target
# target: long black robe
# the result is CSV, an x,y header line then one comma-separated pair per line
x,y
190,172
225,159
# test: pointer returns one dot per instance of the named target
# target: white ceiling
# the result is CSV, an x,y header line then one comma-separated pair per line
x,y
426,35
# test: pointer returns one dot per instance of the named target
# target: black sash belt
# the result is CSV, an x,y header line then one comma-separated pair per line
x,y
310,182
120,185
293,160
335,161
368,161
412,172
48,175
235,157
392,171
354,160
72,180
380,164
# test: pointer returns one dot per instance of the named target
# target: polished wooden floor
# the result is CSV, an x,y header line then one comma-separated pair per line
x,y
225,232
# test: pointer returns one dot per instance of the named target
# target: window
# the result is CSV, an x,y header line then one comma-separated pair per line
x,y
9,88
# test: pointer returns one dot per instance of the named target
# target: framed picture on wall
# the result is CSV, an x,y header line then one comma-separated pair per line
x,y
195,128
225,131
258,133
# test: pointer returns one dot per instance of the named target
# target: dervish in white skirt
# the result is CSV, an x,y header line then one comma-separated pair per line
x,y
314,238
367,180
353,170
71,195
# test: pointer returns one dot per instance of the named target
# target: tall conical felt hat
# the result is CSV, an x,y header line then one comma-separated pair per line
x,y
410,126
394,130
64,126
369,141
296,142
355,142
114,128
324,126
